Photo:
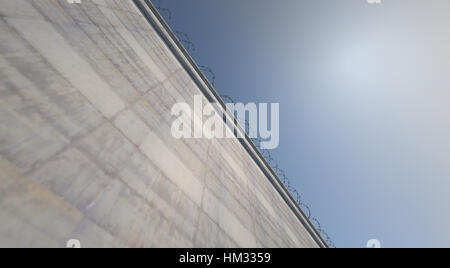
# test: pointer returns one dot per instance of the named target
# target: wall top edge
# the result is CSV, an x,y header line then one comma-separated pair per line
x,y
158,23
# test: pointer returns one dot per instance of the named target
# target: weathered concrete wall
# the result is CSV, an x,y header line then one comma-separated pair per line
x,y
85,145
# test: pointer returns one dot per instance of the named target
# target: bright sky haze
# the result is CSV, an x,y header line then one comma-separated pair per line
x,y
364,93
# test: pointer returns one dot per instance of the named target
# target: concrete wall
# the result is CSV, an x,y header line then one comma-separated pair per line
x,y
85,145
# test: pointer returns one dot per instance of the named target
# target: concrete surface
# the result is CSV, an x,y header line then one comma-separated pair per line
x,y
85,146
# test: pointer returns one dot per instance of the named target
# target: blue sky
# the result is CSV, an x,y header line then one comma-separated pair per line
x,y
364,93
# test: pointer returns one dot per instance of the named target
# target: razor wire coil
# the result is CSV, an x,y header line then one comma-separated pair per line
x,y
281,174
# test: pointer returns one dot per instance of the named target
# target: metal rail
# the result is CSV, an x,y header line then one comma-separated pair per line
x,y
152,15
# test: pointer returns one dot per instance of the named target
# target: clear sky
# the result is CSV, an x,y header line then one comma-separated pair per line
x,y
364,93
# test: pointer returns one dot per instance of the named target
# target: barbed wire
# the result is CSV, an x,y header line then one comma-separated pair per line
x,y
206,69
184,38
284,179
157,5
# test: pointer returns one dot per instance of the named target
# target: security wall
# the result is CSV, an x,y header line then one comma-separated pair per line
x,y
86,150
